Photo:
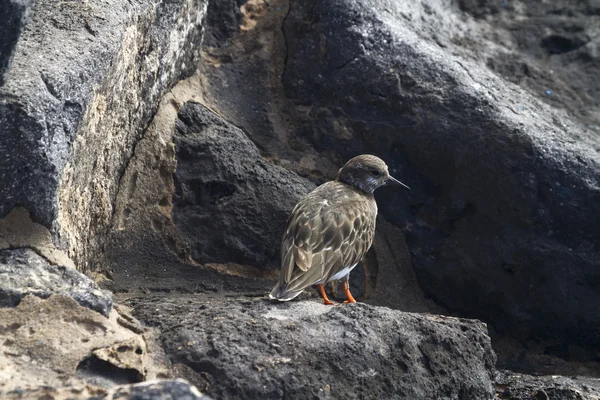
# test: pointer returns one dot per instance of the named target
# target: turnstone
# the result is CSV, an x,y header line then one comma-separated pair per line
x,y
331,229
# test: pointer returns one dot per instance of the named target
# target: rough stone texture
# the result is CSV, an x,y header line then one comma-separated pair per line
x,y
80,82
177,389
157,390
546,46
53,342
229,203
251,348
503,186
23,272
52,393
512,386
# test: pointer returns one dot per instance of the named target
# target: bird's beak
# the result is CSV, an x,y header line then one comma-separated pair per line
x,y
396,181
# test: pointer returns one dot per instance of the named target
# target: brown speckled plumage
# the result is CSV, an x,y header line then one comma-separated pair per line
x,y
331,229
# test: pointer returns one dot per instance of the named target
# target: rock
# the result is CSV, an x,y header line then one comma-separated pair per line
x,y
503,185
514,386
53,393
230,204
250,348
545,48
17,230
57,343
80,84
177,389
146,250
24,272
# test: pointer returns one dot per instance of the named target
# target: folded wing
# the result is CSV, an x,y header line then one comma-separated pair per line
x,y
321,239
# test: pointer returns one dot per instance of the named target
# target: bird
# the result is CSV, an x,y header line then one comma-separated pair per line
x,y
331,229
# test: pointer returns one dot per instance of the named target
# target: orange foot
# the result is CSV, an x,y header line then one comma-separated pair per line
x,y
326,301
346,289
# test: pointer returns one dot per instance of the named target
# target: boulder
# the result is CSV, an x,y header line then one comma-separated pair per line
x,y
230,203
80,82
245,348
23,272
498,221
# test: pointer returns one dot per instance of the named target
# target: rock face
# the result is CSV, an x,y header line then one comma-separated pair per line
x,y
229,203
23,272
545,47
80,82
242,349
503,186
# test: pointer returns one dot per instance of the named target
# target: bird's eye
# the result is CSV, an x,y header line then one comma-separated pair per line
x,y
374,172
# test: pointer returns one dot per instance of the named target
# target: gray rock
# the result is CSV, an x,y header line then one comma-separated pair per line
x,y
230,204
515,386
80,82
499,219
177,389
545,47
251,348
23,272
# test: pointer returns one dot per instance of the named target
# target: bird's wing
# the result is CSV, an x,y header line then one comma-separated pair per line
x,y
322,238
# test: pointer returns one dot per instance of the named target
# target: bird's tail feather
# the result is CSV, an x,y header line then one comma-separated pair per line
x,y
283,292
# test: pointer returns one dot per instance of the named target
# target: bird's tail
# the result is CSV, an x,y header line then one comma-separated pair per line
x,y
283,292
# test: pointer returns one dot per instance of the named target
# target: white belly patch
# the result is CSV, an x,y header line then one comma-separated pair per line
x,y
342,273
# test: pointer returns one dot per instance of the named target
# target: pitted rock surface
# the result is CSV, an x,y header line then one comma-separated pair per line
x,y
251,348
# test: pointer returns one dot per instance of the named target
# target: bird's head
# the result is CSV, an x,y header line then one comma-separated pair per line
x,y
366,173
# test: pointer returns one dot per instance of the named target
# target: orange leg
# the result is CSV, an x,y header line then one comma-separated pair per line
x,y
346,289
326,301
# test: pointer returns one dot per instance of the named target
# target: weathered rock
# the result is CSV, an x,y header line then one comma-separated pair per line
x,y
53,393
545,47
80,83
251,348
57,343
230,204
513,386
17,230
177,389
23,272
503,186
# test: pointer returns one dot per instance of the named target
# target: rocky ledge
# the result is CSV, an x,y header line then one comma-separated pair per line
x,y
251,348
